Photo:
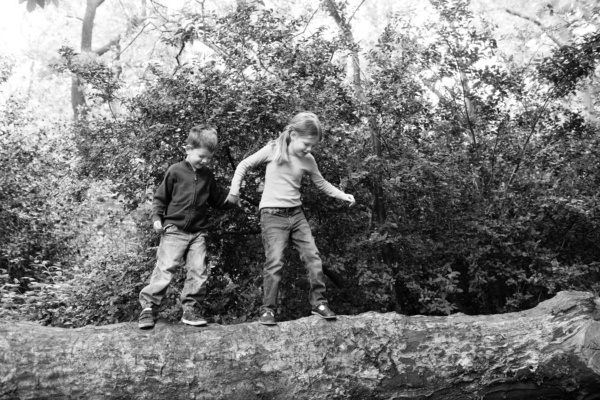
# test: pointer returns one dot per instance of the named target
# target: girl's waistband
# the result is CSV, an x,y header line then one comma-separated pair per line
x,y
274,210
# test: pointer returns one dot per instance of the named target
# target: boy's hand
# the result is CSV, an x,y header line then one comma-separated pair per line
x,y
158,225
233,199
349,198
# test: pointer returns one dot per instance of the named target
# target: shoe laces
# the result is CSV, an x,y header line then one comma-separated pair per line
x,y
195,313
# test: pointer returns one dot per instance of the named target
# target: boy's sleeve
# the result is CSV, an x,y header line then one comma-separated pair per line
x,y
162,197
217,197
247,163
321,183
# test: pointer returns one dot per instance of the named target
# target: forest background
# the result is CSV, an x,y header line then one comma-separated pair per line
x,y
467,131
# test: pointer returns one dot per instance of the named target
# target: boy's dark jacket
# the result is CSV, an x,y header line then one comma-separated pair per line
x,y
183,197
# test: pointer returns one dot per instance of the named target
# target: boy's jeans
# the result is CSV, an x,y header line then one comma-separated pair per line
x,y
278,225
177,247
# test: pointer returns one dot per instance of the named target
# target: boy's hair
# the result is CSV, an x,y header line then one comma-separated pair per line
x,y
305,124
203,136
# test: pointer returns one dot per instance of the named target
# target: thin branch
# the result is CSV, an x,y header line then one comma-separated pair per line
x,y
153,2
526,144
179,54
102,50
123,7
432,88
308,22
74,17
261,63
533,126
536,22
111,110
361,3
203,18
466,102
133,40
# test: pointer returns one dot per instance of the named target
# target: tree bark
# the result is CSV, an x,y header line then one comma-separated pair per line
x,y
549,352
87,28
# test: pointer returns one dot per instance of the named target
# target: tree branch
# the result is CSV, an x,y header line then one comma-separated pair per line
x,y
352,16
133,40
102,50
308,22
536,22
548,352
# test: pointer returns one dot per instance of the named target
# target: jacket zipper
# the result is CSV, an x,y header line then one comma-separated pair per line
x,y
191,212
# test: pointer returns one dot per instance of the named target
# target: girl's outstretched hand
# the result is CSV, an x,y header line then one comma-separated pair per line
x,y
349,198
157,225
233,199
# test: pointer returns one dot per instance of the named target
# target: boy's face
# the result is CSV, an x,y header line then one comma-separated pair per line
x,y
198,157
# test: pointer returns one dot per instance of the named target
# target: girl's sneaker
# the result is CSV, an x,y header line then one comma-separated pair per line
x,y
267,318
146,319
193,317
323,311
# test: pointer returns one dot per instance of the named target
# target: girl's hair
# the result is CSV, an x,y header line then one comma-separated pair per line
x,y
203,136
305,124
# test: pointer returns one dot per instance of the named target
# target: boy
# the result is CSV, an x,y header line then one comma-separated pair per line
x,y
179,211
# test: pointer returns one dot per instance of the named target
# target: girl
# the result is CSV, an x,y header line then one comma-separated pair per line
x,y
281,216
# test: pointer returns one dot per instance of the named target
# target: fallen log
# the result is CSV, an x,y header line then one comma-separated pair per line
x,y
549,352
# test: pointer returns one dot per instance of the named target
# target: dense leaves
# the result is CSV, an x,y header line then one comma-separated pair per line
x,y
489,176
571,63
35,206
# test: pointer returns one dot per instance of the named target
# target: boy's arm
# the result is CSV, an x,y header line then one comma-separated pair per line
x,y
326,187
218,198
162,198
252,161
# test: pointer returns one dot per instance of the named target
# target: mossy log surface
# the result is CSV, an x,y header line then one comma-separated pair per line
x,y
549,352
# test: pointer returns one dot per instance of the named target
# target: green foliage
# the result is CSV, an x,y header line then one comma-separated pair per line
x,y
250,104
570,63
32,4
93,71
6,68
489,180
35,211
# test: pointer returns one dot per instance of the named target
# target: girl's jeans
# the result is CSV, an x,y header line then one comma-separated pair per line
x,y
176,248
278,225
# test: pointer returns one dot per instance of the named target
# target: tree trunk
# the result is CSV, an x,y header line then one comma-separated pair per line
x,y
77,95
549,352
377,192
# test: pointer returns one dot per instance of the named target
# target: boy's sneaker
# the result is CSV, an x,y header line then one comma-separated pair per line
x,y
323,311
267,317
146,319
193,317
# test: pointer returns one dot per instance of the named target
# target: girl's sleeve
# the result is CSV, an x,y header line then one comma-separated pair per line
x,y
320,182
260,157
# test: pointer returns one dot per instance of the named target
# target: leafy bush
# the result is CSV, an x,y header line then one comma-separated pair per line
x,y
490,187
36,186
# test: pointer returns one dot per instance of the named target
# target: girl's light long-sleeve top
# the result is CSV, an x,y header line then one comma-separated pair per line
x,y
282,181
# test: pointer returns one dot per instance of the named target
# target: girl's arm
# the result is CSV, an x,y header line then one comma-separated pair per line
x,y
326,187
260,157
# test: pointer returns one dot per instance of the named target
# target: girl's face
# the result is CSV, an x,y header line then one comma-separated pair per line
x,y
302,146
